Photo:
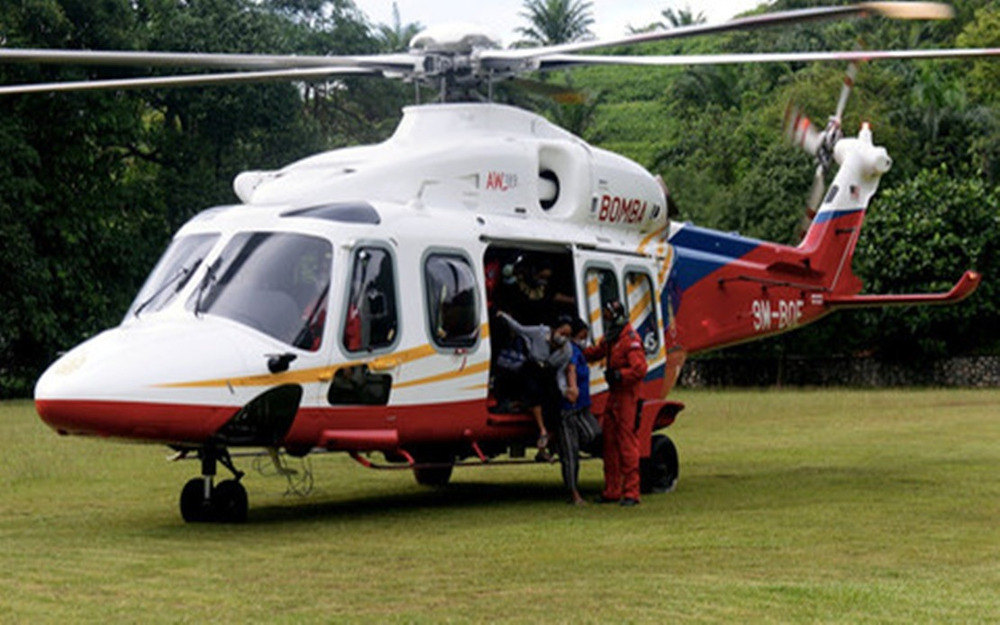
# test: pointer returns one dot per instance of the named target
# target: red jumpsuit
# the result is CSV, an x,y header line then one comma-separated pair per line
x,y
621,442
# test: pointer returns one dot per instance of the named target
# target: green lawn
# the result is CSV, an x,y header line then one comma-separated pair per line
x,y
801,506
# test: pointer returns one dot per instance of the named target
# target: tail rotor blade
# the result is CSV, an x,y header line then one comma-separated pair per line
x,y
817,191
813,201
819,144
801,131
845,91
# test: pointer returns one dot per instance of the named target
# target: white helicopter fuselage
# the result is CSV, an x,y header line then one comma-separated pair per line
x,y
451,182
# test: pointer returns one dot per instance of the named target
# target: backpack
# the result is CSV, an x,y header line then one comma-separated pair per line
x,y
513,357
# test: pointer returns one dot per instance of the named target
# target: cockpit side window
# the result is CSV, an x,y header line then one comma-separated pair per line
x,y
372,319
452,304
172,272
275,282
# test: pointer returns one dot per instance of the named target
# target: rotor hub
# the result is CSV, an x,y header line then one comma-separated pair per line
x,y
455,39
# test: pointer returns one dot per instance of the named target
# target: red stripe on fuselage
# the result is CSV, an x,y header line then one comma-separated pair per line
x,y
169,423
443,424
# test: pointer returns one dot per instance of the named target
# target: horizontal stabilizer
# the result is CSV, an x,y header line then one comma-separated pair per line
x,y
962,289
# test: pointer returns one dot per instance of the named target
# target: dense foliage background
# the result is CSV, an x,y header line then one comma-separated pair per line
x,y
92,185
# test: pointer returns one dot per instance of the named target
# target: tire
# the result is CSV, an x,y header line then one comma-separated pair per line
x,y
230,502
660,471
433,476
194,507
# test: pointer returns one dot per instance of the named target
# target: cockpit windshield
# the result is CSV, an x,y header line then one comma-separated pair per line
x,y
171,274
275,282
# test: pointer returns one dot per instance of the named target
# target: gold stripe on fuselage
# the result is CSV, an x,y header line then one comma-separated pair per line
x,y
322,374
473,369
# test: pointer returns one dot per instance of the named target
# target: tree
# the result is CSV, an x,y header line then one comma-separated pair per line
x,y
556,21
674,19
92,185
919,236
396,37
980,83
682,17
72,209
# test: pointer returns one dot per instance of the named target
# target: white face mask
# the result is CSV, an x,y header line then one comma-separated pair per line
x,y
581,342
559,339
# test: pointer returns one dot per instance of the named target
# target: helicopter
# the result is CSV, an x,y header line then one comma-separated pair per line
x,y
346,302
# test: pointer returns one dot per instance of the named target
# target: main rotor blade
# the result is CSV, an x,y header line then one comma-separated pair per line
x,y
554,61
303,74
388,62
502,59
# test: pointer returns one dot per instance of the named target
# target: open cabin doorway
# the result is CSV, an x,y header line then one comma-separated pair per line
x,y
535,286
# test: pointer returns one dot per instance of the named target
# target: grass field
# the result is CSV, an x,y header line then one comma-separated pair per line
x,y
793,506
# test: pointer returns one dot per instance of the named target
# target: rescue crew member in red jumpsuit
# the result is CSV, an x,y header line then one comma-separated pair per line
x,y
625,368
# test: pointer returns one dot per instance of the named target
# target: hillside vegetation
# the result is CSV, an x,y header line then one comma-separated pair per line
x,y
92,185
715,135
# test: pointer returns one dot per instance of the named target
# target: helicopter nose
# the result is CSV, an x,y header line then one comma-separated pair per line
x,y
118,384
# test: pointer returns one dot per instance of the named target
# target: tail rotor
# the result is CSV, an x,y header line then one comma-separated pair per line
x,y
801,131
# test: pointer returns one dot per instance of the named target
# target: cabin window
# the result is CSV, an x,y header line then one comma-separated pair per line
x,y
372,319
172,273
357,385
601,287
451,300
275,282
641,297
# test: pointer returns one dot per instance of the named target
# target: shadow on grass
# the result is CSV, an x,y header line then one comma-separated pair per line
x,y
766,488
458,496
785,487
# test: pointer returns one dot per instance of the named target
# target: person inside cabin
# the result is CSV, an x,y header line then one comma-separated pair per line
x,y
381,304
548,351
624,370
535,299
508,351
500,279
371,306
577,426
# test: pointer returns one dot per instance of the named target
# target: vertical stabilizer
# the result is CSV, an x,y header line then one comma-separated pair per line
x,y
833,234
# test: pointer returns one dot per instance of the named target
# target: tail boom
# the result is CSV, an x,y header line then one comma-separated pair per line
x,y
726,289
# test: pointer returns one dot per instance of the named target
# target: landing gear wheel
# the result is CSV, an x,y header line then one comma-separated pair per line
x,y
195,508
203,502
659,472
432,476
229,501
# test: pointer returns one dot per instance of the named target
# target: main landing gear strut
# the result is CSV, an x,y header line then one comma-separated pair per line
x,y
203,501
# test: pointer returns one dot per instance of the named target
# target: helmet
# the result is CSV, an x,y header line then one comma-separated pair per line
x,y
614,312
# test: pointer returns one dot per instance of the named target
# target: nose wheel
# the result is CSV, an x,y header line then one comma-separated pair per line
x,y
203,501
